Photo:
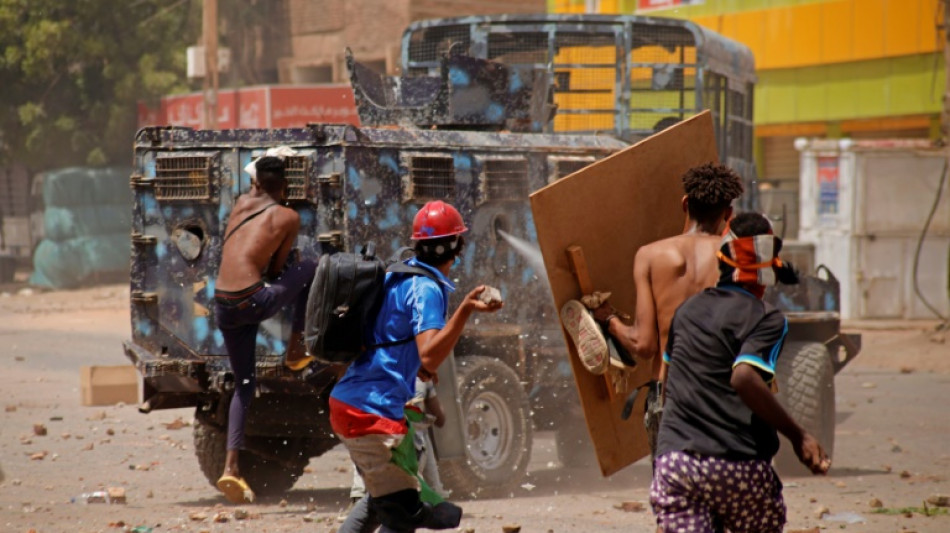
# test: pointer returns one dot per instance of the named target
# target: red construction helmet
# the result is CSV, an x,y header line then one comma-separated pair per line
x,y
437,219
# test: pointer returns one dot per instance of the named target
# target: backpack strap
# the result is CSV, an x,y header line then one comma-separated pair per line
x,y
245,221
399,267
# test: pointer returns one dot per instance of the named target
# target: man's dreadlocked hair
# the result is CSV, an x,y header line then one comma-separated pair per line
x,y
710,189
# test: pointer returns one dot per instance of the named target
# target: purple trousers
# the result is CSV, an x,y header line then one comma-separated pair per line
x,y
698,494
239,315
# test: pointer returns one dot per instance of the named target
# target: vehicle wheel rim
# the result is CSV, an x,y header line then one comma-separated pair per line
x,y
489,430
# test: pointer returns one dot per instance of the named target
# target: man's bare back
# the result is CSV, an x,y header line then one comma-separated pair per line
x,y
676,268
261,246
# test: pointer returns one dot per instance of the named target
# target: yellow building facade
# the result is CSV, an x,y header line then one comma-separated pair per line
x,y
826,68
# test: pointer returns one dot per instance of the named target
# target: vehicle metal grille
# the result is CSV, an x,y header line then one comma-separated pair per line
x,y
183,178
298,167
429,44
662,77
565,166
505,179
430,178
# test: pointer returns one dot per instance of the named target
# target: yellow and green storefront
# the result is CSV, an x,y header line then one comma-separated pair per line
x,y
826,68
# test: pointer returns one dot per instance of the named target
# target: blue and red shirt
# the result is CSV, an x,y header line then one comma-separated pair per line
x,y
371,395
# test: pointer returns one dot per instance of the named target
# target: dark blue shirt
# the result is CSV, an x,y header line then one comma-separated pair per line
x,y
710,334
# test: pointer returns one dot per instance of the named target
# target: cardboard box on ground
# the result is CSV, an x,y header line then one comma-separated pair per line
x,y
108,385
610,209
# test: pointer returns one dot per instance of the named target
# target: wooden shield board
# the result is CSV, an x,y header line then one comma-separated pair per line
x,y
609,209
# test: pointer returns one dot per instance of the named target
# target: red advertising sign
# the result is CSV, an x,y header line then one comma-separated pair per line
x,y
297,106
654,5
267,106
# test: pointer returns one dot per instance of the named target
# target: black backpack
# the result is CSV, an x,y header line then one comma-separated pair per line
x,y
344,299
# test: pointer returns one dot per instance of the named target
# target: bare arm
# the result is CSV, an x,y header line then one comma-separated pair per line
x,y
434,407
639,338
756,395
436,344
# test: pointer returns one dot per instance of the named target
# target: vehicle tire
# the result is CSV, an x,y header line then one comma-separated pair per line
x,y
266,477
806,388
497,426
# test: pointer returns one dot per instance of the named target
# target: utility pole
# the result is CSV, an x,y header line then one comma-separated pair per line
x,y
209,20
945,112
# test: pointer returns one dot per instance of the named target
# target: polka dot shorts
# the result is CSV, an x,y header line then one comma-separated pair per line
x,y
696,494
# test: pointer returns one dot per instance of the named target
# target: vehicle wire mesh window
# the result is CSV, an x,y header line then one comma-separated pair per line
x,y
183,178
662,77
560,167
518,48
428,45
297,169
430,178
504,179
585,71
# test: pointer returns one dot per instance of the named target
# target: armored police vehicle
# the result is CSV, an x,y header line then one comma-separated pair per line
x,y
488,110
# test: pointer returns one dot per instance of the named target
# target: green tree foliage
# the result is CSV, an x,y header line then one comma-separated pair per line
x,y
73,71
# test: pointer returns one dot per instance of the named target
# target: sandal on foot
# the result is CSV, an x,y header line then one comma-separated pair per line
x,y
588,339
235,489
299,364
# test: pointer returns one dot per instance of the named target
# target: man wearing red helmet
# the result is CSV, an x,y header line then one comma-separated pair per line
x,y
411,337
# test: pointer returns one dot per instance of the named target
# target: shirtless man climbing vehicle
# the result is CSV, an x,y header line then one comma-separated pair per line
x,y
665,273
257,247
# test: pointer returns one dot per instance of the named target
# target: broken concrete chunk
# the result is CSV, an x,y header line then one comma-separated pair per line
x,y
631,507
939,500
490,296
177,423
116,494
875,503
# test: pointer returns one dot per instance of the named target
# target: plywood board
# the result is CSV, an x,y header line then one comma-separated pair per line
x,y
609,209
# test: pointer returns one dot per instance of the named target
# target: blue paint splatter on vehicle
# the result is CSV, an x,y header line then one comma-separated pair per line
x,y
391,219
144,327
462,161
527,275
201,329
351,210
388,161
354,177
306,217
469,260
150,205
459,77
514,82
160,250
495,112
218,338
